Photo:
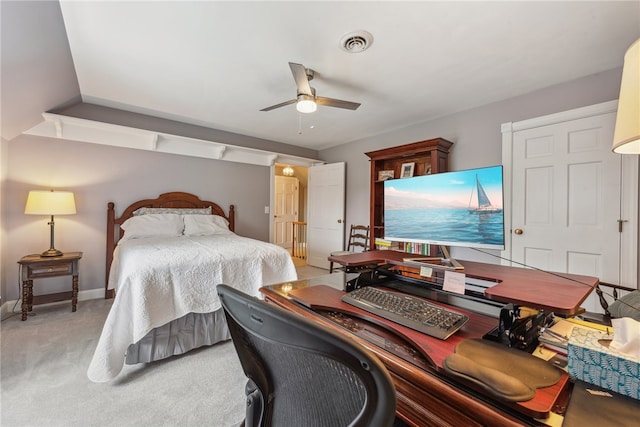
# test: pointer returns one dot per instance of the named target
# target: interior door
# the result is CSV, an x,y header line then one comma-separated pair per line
x,y
287,194
326,212
566,201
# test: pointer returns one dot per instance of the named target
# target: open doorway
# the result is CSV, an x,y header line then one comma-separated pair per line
x,y
290,210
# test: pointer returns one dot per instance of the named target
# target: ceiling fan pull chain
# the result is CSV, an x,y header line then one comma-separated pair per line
x,y
299,123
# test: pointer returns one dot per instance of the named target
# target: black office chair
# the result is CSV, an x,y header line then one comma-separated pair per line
x,y
302,373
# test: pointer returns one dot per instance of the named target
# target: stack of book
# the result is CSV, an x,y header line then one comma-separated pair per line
x,y
557,336
416,248
383,244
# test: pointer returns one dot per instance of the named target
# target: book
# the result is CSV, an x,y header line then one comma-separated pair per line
x,y
385,244
559,349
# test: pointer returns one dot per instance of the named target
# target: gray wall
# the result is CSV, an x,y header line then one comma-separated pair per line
x,y
37,69
99,174
476,136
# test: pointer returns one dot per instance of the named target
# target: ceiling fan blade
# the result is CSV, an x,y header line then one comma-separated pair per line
x,y
338,103
302,81
282,104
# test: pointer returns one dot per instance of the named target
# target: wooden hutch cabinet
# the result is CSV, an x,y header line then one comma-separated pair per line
x,y
430,156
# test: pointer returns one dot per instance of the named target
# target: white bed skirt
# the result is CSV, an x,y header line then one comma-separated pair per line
x,y
179,336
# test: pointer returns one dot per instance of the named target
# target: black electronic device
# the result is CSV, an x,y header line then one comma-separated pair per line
x,y
460,208
369,277
519,327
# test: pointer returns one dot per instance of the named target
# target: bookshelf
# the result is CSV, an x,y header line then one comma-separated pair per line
x,y
417,158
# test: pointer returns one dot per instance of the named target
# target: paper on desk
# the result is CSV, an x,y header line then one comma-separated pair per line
x,y
563,329
454,282
626,336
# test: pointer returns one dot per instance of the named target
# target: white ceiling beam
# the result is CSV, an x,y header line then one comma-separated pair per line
x,y
76,129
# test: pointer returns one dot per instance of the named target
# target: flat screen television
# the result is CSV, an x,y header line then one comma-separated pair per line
x,y
461,208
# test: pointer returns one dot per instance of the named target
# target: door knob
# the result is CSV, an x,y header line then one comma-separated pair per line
x,y
518,231
339,221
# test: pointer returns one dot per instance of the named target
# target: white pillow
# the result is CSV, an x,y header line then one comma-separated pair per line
x,y
153,225
203,225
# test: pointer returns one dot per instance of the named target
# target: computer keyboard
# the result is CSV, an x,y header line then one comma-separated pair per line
x,y
407,310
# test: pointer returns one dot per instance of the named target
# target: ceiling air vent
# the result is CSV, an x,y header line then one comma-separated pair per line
x,y
356,41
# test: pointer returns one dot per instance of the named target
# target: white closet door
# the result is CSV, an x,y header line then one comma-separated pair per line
x,y
569,193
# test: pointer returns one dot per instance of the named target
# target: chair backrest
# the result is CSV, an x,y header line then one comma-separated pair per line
x,y
302,373
358,237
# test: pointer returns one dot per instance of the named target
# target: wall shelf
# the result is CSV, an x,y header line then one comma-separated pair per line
x,y
77,129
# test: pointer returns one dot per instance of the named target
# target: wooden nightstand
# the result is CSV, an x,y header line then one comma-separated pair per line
x,y
37,267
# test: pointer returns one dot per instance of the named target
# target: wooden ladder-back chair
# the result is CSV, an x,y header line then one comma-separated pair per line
x,y
358,242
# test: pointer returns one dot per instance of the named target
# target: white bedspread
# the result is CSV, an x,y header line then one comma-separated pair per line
x,y
158,280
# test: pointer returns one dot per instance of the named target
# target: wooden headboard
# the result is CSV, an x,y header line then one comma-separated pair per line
x,y
166,200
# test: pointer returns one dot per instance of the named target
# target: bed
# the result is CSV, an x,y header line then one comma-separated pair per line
x,y
165,257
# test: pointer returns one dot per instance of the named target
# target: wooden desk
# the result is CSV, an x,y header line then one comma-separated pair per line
x,y
425,396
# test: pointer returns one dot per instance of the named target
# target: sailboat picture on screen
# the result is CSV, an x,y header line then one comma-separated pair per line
x,y
461,208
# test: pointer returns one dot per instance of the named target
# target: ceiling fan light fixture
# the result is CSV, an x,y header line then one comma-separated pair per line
x,y
306,104
356,41
288,171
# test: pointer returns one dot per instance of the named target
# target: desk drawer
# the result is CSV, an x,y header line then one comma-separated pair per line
x,y
49,269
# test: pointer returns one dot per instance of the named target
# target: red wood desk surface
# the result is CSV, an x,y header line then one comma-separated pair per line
x,y
419,387
558,292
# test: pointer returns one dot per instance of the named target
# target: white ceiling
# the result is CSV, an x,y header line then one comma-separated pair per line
x,y
218,63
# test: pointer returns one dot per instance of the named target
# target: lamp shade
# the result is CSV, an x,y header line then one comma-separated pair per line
x,y
626,139
50,203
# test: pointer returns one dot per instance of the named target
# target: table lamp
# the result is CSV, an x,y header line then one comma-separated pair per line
x,y
50,203
626,139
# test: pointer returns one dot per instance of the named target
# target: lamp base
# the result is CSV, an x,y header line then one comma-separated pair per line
x,y
51,252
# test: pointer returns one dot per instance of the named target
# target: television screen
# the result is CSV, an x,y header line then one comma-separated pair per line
x,y
461,208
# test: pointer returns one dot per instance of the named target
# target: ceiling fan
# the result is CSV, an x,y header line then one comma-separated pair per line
x,y
306,101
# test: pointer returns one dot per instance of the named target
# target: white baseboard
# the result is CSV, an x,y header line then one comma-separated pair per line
x,y
7,307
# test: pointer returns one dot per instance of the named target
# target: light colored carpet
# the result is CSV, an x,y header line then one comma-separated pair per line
x,y
44,382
